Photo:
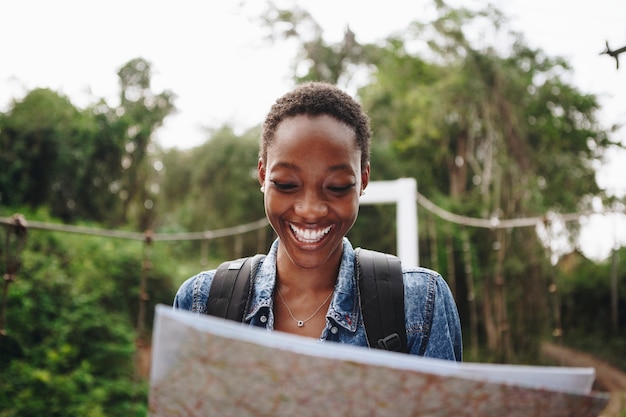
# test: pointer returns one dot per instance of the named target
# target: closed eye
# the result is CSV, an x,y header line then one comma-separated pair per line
x,y
341,189
284,186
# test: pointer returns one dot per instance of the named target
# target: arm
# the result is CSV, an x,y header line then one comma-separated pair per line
x,y
432,320
445,334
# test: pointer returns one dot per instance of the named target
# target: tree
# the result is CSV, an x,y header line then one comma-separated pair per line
x,y
506,137
46,146
92,164
215,186
140,113
317,60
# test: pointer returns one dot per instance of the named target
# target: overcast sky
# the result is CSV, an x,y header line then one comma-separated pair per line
x,y
214,58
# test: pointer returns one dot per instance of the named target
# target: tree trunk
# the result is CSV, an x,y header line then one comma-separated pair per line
x,y
457,167
488,317
504,348
471,295
451,275
432,237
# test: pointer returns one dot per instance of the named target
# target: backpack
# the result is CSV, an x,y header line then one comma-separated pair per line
x,y
380,292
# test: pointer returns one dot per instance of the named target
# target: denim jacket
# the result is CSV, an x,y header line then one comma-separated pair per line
x,y
432,321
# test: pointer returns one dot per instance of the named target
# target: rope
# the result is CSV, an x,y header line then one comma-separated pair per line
x,y
492,223
17,229
496,223
162,237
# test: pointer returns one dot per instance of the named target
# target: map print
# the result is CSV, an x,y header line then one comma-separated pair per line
x,y
203,366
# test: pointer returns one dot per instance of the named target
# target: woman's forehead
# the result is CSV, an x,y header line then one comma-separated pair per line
x,y
314,128
302,141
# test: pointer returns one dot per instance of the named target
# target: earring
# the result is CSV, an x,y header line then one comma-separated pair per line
x,y
362,192
263,188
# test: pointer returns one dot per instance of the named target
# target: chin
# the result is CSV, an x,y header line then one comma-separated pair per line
x,y
311,256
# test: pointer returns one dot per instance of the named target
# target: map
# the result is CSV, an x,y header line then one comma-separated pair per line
x,y
206,366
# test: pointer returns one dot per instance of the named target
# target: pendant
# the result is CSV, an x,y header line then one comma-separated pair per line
x,y
300,323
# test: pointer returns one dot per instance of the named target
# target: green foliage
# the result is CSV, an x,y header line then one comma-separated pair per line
x,y
42,146
317,60
585,289
585,293
91,164
214,186
226,176
494,131
71,327
140,113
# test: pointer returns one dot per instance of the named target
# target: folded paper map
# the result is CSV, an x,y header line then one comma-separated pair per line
x,y
206,366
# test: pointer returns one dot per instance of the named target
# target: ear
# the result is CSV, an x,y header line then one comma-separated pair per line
x,y
261,172
365,176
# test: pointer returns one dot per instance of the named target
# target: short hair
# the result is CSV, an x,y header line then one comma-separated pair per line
x,y
316,99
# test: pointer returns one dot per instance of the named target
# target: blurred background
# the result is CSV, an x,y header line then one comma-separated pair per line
x,y
128,151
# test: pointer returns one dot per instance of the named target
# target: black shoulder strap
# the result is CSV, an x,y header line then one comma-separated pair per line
x,y
380,286
381,291
231,287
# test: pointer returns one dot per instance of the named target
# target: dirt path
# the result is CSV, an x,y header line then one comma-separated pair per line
x,y
608,378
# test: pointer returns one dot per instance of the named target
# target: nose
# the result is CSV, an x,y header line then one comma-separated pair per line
x,y
311,206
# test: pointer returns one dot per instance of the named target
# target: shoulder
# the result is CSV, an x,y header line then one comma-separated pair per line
x,y
419,278
194,292
423,282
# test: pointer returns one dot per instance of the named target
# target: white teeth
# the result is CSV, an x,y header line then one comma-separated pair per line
x,y
308,235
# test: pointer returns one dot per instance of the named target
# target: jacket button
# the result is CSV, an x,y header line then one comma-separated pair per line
x,y
334,330
263,319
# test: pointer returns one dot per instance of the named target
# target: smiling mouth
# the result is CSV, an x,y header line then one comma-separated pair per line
x,y
309,235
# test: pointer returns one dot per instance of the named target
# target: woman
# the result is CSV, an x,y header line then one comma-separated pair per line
x,y
313,167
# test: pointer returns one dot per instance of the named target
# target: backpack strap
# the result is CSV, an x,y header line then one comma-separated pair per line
x,y
381,294
380,288
231,288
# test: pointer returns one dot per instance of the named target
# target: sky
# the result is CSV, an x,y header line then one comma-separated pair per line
x,y
216,60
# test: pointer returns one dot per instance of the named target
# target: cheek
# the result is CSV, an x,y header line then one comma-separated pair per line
x,y
274,205
349,209
272,212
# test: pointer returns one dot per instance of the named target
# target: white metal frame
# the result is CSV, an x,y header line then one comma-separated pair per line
x,y
402,192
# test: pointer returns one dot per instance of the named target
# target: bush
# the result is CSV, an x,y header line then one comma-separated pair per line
x,y
71,320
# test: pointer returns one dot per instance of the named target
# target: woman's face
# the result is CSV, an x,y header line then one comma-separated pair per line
x,y
312,178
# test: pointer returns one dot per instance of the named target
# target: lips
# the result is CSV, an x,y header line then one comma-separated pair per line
x,y
309,235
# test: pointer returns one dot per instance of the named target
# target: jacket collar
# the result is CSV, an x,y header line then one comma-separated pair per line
x,y
343,308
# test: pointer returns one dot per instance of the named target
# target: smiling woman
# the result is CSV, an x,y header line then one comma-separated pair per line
x,y
313,167
312,202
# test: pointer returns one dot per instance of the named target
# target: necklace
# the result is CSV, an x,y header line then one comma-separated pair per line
x,y
300,323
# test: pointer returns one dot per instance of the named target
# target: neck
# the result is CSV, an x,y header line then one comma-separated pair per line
x,y
302,297
306,280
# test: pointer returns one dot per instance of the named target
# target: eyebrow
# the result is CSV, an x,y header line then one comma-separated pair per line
x,y
332,168
288,165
